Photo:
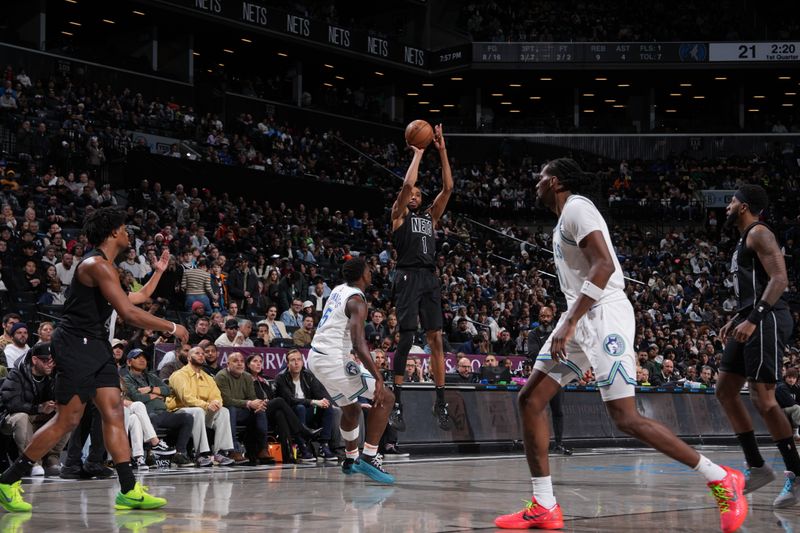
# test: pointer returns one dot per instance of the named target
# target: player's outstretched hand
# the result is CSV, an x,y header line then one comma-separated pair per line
x,y
438,137
163,261
558,344
182,334
417,151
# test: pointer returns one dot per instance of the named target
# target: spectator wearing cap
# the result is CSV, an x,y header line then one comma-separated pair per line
x,y
198,312
302,337
118,349
228,337
28,402
308,309
292,317
9,319
242,283
19,344
196,284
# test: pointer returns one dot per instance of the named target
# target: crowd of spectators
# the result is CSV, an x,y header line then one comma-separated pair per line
x,y
553,21
247,272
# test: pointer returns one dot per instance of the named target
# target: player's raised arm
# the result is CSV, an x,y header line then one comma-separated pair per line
x,y
144,294
440,203
399,207
107,280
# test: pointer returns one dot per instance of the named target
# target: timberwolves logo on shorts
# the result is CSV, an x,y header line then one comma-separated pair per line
x,y
351,368
614,344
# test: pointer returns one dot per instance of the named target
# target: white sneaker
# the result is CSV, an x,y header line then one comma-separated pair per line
x,y
140,464
37,471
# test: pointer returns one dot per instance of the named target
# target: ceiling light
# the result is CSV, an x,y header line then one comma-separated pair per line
x,y
505,103
759,97
195,54
71,23
790,94
601,78
339,77
326,84
535,98
671,110
456,78
427,85
423,102
283,54
141,14
609,101
686,84
515,85
209,70
588,110
513,110
244,40
66,33
784,77
72,1
619,106
720,78
675,94
227,50
497,94
221,64
449,105
546,79
698,97
753,110
588,94
412,94
788,104
377,73
327,65
109,21
623,85
433,110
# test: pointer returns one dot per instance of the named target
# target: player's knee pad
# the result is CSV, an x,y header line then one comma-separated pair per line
x,y
349,435
401,353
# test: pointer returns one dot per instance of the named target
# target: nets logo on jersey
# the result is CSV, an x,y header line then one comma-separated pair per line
x,y
614,344
422,225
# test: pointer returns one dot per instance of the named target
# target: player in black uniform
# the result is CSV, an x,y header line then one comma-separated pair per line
x,y
756,337
85,367
417,289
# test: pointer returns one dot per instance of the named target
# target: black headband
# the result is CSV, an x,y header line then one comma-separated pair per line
x,y
739,195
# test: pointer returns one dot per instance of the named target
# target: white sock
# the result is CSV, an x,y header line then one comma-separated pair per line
x,y
543,491
370,450
709,470
351,454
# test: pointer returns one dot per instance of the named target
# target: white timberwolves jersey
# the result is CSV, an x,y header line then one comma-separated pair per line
x,y
579,218
332,337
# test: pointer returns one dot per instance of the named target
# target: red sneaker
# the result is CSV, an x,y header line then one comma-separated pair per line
x,y
534,516
730,499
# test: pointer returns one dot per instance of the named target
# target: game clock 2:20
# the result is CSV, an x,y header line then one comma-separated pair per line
x,y
749,51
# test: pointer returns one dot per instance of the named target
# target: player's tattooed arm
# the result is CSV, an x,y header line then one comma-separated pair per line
x,y
399,207
763,241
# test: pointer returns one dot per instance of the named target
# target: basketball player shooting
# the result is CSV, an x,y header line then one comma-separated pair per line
x,y
417,289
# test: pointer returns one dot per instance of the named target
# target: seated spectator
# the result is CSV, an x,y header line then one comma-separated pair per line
x,y
140,429
461,334
707,377
642,377
302,337
19,344
201,332
464,373
787,394
413,372
147,388
279,414
277,329
9,320
666,375
193,391
45,331
198,312
303,391
243,337
28,402
504,345
244,408
262,336
118,351
29,279
173,361
292,317
211,365
228,338
376,326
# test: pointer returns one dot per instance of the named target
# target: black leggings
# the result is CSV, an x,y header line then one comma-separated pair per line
x,y
280,414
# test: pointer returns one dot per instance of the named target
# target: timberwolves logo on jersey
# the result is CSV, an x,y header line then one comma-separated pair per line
x,y
614,344
422,225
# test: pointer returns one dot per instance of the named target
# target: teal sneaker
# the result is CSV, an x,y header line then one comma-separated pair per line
x,y
11,498
373,467
137,498
788,495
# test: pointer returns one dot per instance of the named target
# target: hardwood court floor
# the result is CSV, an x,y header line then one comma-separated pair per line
x,y
616,490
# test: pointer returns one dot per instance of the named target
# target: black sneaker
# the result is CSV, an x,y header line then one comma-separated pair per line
x,y
71,472
561,449
162,448
391,453
97,470
347,466
181,461
396,418
442,416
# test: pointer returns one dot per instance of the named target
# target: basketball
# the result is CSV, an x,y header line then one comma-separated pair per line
x,y
419,133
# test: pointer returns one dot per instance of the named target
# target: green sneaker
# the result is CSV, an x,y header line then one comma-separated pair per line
x,y
137,498
11,498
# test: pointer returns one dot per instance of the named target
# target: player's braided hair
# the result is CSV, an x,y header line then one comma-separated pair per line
x,y
353,269
572,178
99,225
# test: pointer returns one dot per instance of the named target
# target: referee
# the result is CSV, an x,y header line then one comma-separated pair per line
x,y
417,289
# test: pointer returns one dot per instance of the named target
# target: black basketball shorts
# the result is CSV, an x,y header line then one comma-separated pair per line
x,y
418,296
82,365
761,357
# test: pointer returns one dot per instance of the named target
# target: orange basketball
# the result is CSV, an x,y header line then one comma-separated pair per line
x,y
419,133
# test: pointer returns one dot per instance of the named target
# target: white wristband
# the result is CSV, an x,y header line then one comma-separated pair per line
x,y
174,328
591,290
